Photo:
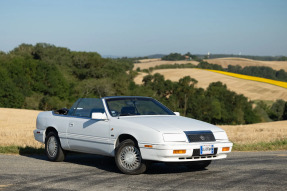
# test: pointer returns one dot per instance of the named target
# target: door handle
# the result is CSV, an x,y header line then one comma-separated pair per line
x,y
71,124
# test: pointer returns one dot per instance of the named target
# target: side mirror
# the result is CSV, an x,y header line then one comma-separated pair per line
x,y
99,116
176,113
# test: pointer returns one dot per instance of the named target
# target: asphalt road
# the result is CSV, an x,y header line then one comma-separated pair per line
x,y
240,171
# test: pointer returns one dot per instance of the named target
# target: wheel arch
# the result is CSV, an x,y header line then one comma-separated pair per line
x,y
125,136
50,129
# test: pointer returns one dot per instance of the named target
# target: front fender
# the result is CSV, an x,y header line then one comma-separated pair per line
x,y
143,134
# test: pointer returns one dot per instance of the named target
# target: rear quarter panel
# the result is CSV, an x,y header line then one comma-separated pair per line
x,y
60,123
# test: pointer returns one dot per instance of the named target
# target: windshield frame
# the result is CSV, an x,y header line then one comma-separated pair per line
x,y
163,107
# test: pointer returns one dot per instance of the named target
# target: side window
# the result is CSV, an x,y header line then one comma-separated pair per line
x,y
74,107
87,106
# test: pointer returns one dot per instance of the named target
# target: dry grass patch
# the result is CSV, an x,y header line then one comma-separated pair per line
x,y
256,133
16,127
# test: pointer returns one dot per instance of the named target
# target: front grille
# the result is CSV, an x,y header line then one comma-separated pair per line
x,y
200,136
196,152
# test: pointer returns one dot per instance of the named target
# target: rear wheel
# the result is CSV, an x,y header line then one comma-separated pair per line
x,y
53,148
199,165
128,158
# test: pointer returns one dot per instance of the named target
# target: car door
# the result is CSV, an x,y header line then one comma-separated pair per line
x,y
89,135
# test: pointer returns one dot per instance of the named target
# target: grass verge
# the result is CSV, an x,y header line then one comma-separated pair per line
x,y
263,146
21,150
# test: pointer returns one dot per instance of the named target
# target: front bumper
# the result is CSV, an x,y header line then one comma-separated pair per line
x,y
164,152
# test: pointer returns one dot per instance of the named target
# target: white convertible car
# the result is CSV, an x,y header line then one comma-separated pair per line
x,y
135,130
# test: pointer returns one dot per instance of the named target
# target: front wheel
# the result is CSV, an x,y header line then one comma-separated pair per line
x,y
53,148
128,158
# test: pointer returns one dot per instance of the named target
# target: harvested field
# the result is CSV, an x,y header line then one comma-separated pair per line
x,y
147,63
251,89
224,62
16,127
149,60
256,133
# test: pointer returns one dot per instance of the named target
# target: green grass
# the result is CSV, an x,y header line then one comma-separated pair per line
x,y
264,146
21,150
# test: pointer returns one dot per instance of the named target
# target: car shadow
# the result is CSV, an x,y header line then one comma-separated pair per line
x,y
108,164
163,168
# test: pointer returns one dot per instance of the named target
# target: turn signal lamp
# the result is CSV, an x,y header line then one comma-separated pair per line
x,y
225,149
179,151
148,146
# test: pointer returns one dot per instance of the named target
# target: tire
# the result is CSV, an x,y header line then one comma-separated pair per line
x,y
128,158
199,165
53,148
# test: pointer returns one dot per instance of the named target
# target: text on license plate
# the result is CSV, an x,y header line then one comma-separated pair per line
x,y
206,149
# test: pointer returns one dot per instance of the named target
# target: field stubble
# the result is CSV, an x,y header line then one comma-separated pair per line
x,y
256,133
17,125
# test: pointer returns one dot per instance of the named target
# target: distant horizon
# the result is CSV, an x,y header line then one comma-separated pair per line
x,y
152,54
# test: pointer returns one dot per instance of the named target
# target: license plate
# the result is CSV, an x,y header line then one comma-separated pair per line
x,y
206,149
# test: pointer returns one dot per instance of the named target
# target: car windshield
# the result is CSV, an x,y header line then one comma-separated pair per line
x,y
136,106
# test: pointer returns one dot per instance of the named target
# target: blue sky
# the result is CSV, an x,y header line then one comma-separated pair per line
x,y
145,27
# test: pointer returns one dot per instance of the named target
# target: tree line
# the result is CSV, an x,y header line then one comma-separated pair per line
x,y
47,77
216,104
178,56
262,58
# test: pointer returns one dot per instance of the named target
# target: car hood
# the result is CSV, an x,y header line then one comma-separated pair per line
x,y
170,124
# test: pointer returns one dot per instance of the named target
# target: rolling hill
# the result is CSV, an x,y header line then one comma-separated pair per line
x,y
224,62
147,63
251,89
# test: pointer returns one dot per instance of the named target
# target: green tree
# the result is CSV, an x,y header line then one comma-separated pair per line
x,y
173,57
185,89
276,111
285,112
10,95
